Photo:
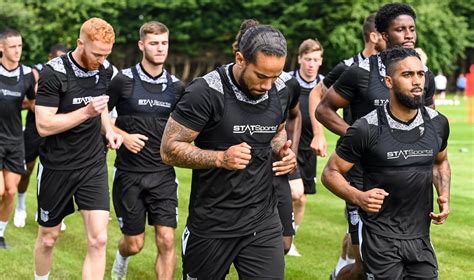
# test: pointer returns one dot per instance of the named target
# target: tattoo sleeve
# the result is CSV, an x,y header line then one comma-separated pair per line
x,y
442,174
279,139
177,150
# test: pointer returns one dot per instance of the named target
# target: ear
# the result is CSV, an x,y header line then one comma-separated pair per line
x,y
141,45
388,81
80,43
239,59
374,37
385,36
299,59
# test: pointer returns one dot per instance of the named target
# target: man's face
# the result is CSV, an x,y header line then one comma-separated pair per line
x,y
11,48
257,78
155,48
401,32
93,53
407,81
310,63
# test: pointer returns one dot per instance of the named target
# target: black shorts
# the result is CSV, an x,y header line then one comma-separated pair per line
x,y
390,258
137,194
285,205
32,143
353,219
255,256
56,188
306,170
12,157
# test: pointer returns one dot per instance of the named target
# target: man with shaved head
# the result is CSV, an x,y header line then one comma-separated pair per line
x,y
71,113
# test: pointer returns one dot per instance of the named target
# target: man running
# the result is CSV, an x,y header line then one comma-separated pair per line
x,y
71,111
16,82
402,148
32,142
302,182
143,184
349,264
235,116
360,89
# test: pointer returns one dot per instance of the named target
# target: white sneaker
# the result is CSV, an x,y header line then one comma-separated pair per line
x,y
119,271
293,251
19,219
63,226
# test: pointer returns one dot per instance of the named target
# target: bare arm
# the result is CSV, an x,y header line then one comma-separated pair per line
x,y
176,149
281,148
133,142
442,183
293,127
114,139
326,112
369,201
318,143
49,122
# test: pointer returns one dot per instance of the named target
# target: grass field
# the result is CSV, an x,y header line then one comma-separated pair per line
x,y
318,239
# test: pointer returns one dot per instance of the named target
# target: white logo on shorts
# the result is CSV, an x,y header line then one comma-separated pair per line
x,y
44,215
120,222
190,277
354,216
370,276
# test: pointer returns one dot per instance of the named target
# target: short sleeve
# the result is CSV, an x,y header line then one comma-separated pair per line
x,y
346,86
49,88
429,88
294,91
198,106
334,75
441,125
354,143
30,86
120,87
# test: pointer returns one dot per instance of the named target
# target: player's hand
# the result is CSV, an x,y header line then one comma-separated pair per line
x,y
235,157
319,145
114,140
439,219
287,164
371,201
97,105
134,142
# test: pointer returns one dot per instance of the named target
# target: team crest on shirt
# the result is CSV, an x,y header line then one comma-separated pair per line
x,y
409,153
255,128
44,215
354,217
82,100
422,129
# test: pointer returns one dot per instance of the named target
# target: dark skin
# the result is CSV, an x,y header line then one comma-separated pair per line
x,y
401,32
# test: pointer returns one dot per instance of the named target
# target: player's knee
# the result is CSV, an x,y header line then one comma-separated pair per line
x,y
98,242
134,247
10,193
47,241
166,240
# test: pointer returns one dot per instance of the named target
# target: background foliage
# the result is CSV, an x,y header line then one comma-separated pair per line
x,y
202,30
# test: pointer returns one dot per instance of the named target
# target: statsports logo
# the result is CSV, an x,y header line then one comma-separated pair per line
x,y
255,128
409,153
7,92
82,100
151,103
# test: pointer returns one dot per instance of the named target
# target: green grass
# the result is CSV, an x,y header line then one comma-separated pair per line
x,y
318,239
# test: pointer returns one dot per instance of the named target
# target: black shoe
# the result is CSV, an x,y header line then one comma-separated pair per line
x,y
332,276
3,244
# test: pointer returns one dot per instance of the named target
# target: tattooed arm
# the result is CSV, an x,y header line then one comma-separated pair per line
x,y
281,148
176,149
442,183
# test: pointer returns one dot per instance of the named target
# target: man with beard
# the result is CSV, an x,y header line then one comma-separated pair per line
x,y
16,82
349,263
236,117
146,94
402,148
32,143
71,111
360,89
